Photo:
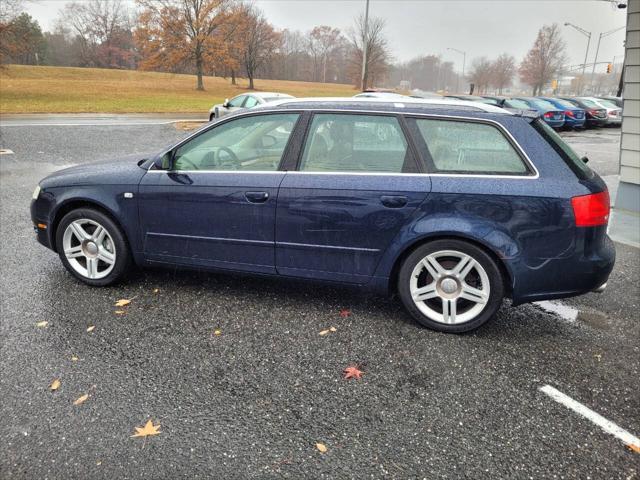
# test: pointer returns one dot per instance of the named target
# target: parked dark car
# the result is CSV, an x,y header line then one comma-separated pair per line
x,y
596,116
549,112
511,104
574,117
453,206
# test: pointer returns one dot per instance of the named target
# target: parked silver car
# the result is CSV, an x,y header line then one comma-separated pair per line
x,y
614,113
244,101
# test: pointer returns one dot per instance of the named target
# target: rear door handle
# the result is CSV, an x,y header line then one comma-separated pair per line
x,y
394,201
256,197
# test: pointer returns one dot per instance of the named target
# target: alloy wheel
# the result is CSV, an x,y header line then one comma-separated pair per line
x,y
449,287
89,248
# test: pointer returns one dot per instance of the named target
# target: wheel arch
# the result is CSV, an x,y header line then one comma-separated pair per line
x,y
75,204
506,273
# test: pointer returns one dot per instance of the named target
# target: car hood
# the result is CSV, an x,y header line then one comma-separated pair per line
x,y
120,171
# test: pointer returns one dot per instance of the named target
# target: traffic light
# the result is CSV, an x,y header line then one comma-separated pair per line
x,y
609,67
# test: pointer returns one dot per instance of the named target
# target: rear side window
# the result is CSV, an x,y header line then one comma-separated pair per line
x,y
571,158
356,143
469,147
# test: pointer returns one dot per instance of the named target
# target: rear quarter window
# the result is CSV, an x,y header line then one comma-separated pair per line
x,y
467,147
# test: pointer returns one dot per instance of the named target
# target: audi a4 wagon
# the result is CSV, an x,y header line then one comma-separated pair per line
x,y
452,205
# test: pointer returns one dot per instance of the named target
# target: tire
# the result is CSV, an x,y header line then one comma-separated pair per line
x,y
212,117
102,257
450,301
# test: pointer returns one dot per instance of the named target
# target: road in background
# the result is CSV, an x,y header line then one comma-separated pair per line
x,y
253,401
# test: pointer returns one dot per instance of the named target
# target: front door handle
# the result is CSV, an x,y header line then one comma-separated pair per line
x,y
256,197
394,201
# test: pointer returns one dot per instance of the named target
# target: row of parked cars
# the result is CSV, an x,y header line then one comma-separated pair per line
x,y
557,112
562,112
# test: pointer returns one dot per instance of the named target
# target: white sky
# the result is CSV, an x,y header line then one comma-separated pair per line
x,y
414,27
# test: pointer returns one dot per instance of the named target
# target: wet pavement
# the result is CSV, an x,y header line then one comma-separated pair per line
x,y
253,400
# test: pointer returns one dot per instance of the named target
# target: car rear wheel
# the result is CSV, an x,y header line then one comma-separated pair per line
x,y
92,247
451,286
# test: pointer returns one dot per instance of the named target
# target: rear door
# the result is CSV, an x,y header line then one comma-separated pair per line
x,y
356,184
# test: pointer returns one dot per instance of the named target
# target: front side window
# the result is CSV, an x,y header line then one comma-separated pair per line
x,y
248,143
237,101
251,102
356,143
469,147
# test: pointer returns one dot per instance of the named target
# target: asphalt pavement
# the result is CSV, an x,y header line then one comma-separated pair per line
x,y
243,385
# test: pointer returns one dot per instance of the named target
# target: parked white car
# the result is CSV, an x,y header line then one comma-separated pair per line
x,y
614,113
244,101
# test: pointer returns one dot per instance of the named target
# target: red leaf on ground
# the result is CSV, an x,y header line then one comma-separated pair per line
x,y
352,372
344,313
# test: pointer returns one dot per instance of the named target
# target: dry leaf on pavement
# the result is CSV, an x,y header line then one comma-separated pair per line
x,y
55,385
322,448
148,429
352,372
156,290
91,328
74,358
633,447
119,312
81,399
328,330
217,332
344,313
42,324
122,302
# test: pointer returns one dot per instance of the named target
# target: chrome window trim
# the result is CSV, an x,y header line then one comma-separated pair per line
x,y
498,125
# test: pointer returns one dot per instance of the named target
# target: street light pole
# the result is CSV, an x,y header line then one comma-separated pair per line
x,y
595,60
365,45
464,61
586,54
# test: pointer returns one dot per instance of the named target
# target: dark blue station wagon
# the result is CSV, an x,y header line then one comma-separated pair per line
x,y
453,205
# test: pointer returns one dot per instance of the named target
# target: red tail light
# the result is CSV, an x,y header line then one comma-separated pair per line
x,y
591,210
569,113
548,114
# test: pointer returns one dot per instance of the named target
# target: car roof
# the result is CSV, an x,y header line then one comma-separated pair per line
x,y
399,105
270,94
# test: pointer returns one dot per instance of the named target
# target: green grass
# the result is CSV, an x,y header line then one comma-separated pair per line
x,y
29,89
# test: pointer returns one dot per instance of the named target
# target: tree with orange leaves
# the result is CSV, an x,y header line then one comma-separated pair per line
x,y
173,34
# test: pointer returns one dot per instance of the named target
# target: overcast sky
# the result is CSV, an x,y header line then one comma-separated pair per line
x,y
414,27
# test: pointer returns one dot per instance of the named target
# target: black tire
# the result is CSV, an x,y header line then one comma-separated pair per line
x,y
123,259
212,117
496,284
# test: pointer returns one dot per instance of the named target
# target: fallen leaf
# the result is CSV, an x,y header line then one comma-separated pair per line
x,y
81,399
352,372
99,462
328,330
148,429
122,302
324,332
217,332
74,358
333,329
91,328
322,448
120,312
42,324
55,385
344,313
156,290
633,447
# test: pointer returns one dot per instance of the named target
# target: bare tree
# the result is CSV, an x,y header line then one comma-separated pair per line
x,y
503,69
323,40
261,43
373,40
480,73
545,58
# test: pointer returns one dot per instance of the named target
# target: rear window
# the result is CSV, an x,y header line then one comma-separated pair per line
x,y
543,104
570,157
589,103
515,103
564,103
468,147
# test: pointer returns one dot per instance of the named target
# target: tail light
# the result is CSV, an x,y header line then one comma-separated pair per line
x,y
593,112
548,115
569,113
591,210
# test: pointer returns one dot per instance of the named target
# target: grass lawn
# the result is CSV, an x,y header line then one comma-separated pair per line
x,y
29,89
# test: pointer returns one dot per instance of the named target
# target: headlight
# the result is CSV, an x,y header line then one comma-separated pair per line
x,y
36,193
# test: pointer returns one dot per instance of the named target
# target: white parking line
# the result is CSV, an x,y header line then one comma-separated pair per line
x,y
606,425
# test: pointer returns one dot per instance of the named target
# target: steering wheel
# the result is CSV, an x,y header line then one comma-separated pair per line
x,y
231,161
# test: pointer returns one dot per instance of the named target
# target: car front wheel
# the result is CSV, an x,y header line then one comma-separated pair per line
x,y
92,247
451,286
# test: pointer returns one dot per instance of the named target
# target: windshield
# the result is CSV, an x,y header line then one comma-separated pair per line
x,y
515,103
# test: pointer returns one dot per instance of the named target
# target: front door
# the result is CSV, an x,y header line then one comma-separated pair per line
x,y
216,204
356,185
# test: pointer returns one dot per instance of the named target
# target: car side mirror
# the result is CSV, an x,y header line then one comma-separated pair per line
x,y
585,159
226,103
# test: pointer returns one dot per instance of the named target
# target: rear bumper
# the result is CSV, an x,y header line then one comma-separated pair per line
x,y
585,271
